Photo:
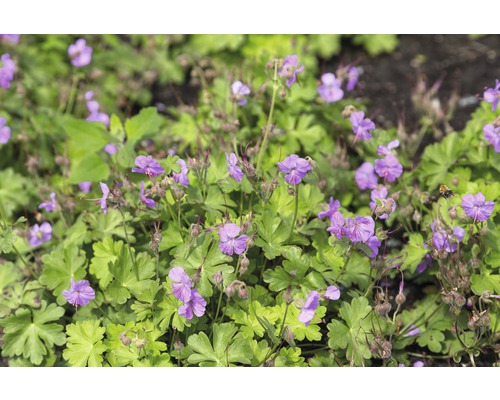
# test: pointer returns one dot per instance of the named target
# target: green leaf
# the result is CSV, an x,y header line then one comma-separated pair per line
x,y
59,266
104,252
7,239
250,321
14,191
91,168
272,233
376,44
414,251
290,358
84,139
84,347
293,270
431,338
146,122
28,334
227,350
485,282
312,332
110,224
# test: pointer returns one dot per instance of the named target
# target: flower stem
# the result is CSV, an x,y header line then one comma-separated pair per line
x,y
295,212
218,305
269,119
72,93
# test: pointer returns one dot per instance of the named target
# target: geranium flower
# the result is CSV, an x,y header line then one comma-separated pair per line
x,y
290,70
359,229
442,240
333,207
148,202
80,293
309,308
361,126
85,186
229,242
330,90
476,207
40,234
182,286
79,53
388,168
239,91
195,305
492,95
337,225
332,293
148,165
381,194
352,76
365,176
492,135
386,150
4,131
182,177
102,201
49,205
232,166
294,168
6,71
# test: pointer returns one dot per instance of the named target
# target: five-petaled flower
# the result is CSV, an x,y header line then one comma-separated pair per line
x,y
330,90
6,71
148,202
239,91
182,177
4,131
359,229
492,135
388,168
233,168
477,207
365,176
148,165
492,95
309,307
181,286
49,205
361,126
104,198
294,168
229,242
386,150
80,53
40,234
289,69
195,305
79,293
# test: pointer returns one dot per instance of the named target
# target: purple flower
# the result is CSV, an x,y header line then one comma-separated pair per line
x,y
239,91
359,229
476,207
418,364
425,263
102,201
85,186
229,243
110,148
4,131
148,165
333,207
233,168
79,53
365,176
14,38
373,243
388,168
195,305
309,307
290,70
413,331
361,126
332,293
492,134
381,194
493,95
337,225
386,150
6,71
95,115
330,90
182,177
352,76
49,205
183,285
80,293
294,168
442,240
40,234
149,202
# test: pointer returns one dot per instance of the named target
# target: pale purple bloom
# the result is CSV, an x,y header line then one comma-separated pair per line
x,y
85,186
229,242
89,95
102,201
95,115
333,207
79,53
332,293
401,365
388,168
425,263
386,150
493,95
352,76
4,131
182,286
477,207
49,205
290,70
294,168
148,165
239,91
337,225
381,194
442,240
413,331
418,364
309,308
182,177
492,134
195,305
149,202
14,38
80,293
6,71
110,148
373,243
365,176
361,126
40,234
330,90
233,168
359,229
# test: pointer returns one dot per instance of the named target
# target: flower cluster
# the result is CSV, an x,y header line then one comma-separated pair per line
x,y
330,89
294,168
79,53
79,293
312,303
238,93
289,69
93,107
6,71
4,131
182,288
230,242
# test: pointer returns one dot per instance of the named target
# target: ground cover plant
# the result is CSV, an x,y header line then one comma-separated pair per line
x,y
267,220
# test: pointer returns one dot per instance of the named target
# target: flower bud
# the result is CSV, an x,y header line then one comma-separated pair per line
x,y
230,290
177,192
243,292
195,230
139,343
400,298
124,339
178,345
287,295
245,262
218,278
383,309
452,212
289,336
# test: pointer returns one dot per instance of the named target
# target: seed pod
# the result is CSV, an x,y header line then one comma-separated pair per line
x,y
400,298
